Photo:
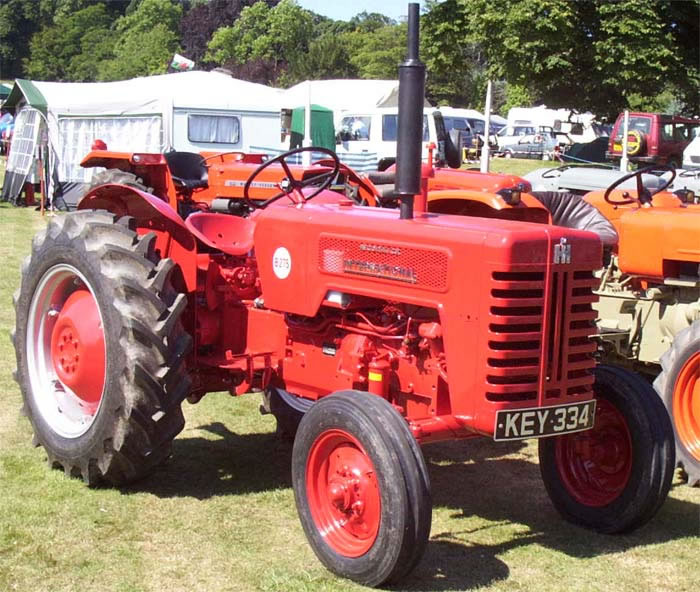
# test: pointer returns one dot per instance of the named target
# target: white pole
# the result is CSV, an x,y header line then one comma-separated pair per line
x,y
625,129
307,126
485,151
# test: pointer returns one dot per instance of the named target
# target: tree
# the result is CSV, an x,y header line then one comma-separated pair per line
x,y
264,33
456,70
19,20
58,53
325,59
199,23
146,40
370,22
589,55
377,53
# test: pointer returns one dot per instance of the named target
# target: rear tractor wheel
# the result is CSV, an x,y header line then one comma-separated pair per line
x,y
361,488
679,388
614,477
100,350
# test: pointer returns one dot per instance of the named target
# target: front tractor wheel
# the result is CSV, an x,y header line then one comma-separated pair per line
x,y
99,348
361,488
679,387
614,477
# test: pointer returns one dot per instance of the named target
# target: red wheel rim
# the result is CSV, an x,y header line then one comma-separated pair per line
x,y
686,405
343,493
66,351
595,465
78,347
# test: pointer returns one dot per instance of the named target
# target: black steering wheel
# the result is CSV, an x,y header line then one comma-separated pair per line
x,y
644,195
290,184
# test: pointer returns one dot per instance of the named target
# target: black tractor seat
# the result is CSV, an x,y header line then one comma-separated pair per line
x,y
187,169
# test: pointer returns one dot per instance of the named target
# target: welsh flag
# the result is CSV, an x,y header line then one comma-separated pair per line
x,y
181,63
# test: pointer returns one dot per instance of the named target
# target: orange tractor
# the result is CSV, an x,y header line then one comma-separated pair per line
x,y
649,300
368,331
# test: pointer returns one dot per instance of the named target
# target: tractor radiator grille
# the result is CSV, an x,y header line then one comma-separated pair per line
x,y
539,335
425,268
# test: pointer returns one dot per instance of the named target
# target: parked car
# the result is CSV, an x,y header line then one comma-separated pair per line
x,y
652,138
542,142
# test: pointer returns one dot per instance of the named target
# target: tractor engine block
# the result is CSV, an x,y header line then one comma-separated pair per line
x,y
394,351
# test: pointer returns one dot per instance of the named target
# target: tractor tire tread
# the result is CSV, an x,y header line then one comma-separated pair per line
x,y
139,430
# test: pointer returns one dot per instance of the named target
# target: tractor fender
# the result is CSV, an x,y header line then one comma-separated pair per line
x,y
152,214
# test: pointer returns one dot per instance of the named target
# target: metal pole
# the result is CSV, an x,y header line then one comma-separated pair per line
x,y
625,129
485,150
306,156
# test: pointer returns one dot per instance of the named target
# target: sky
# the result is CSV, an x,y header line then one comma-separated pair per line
x,y
344,10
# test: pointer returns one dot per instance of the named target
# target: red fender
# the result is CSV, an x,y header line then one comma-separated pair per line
x,y
152,214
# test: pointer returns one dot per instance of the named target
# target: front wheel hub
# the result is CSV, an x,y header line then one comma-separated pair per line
x,y
595,465
343,491
78,347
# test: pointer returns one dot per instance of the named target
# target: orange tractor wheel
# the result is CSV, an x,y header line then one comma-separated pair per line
x,y
679,387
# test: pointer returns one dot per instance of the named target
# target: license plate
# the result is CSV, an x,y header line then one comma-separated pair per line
x,y
537,422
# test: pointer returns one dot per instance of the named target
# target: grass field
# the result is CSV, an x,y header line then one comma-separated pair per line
x,y
219,515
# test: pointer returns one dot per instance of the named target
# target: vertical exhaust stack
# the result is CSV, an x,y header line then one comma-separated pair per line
x,y
410,133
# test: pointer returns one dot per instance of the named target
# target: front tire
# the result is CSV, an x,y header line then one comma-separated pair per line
x,y
679,388
361,488
100,350
614,477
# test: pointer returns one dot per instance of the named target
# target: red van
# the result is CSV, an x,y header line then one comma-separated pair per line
x,y
652,138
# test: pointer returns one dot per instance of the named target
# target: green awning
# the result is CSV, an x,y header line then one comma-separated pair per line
x,y
322,131
27,90
4,90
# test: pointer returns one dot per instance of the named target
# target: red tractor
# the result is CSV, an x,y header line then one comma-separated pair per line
x,y
368,331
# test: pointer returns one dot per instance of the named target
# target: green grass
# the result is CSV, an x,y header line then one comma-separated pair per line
x,y
516,166
219,515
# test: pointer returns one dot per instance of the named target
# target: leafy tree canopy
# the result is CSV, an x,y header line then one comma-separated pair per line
x,y
146,40
57,51
590,55
264,33
203,18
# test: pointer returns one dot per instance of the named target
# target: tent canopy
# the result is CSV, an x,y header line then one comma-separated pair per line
x,y
4,90
146,95
338,95
322,131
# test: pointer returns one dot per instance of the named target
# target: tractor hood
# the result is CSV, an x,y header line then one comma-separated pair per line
x,y
305,252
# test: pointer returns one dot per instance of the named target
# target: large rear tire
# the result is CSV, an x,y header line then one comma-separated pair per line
x,y
100,349
111,176
679,388
361,488
614,477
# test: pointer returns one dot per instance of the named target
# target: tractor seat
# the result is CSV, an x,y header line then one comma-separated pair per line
x,y
232,235
187,169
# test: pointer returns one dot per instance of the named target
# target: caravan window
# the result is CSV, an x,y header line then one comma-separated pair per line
x,y
213,129
390,125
